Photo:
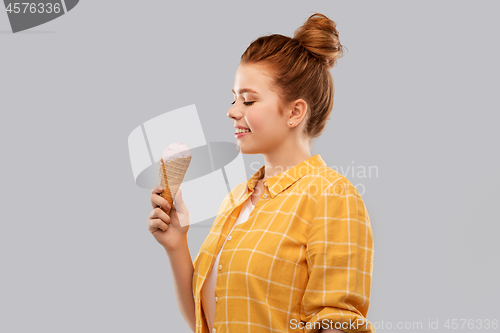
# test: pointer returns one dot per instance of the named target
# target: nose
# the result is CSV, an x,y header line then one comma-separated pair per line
x,y
234,112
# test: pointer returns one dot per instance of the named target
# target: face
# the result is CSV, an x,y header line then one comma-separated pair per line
x,y
256,106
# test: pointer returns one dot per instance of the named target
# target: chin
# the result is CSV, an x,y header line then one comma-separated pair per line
x,y
248,151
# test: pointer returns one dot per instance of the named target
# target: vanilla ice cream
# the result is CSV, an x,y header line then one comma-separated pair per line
x,y
175,150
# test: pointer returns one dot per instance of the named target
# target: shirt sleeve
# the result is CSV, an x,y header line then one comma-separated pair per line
x,y
340,263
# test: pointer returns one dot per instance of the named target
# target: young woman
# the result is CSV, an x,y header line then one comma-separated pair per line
x,y
291,249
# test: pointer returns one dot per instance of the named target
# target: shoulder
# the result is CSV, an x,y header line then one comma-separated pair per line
x,y
324,179
333,190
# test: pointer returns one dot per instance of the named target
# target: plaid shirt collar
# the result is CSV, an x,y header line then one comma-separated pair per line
x,y
283,180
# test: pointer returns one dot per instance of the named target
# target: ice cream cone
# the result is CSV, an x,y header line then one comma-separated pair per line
x,y
171,173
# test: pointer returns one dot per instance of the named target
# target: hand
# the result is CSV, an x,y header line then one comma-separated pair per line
x,y
168,230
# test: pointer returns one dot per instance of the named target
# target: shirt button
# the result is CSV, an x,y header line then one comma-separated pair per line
x,y
265,196
229,237
265,183
220,267
216,299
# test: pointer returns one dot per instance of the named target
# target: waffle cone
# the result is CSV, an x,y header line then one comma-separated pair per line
x,y
171,173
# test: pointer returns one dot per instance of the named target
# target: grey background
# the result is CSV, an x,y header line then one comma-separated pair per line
x,y
414,97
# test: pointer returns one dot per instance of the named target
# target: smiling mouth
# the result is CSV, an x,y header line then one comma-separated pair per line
x,y
240,131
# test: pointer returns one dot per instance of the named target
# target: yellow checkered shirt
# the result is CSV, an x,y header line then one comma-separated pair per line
x,y
302,261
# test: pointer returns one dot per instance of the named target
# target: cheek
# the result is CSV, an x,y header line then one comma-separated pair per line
x,y
256,121
262,120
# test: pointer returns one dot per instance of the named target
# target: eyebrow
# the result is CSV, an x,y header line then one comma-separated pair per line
x,y
246,90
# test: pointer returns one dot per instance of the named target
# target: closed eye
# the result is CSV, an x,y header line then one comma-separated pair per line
x,y
246,103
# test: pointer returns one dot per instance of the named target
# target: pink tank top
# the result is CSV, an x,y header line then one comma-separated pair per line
x,y
208,289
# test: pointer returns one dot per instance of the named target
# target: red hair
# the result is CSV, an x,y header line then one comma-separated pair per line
x,y
300,67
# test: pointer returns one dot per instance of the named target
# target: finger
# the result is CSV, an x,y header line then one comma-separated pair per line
x,y
159,201
155,224
158,213
157,189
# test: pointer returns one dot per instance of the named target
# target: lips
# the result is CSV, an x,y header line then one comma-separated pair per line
x,y
237,127
238,135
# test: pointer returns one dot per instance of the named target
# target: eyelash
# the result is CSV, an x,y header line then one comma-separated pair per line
x,y
246,103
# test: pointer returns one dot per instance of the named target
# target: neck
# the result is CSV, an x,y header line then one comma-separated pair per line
x,y
284,158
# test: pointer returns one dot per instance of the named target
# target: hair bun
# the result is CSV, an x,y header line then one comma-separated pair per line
x,y
320,37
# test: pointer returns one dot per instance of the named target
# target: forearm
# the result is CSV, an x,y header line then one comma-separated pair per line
x,y
182,273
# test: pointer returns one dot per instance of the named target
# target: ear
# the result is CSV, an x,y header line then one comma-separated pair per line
x,y
298,110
